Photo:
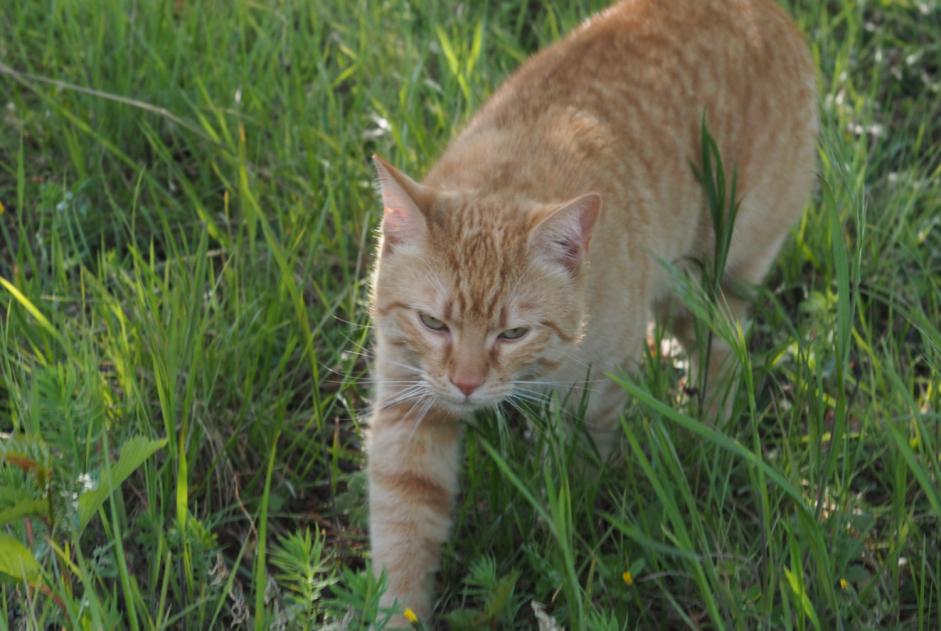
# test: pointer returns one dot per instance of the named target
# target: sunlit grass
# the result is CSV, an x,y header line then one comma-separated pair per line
x,y
186,215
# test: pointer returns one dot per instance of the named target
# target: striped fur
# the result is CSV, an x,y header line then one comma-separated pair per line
x,y
547,215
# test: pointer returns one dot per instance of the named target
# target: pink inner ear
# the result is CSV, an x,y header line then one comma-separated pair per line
x,y
566,233
586,220
572,252
394,224
403,221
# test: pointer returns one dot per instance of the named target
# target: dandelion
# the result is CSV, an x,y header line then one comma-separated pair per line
x,y
410,615
628,579
844,584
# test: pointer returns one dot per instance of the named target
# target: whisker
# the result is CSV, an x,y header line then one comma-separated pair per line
x,y
559,382
389,381
334,370
570,355
531,395
367,380
429,401
419,400
414,369
406,394
513,404
357,325
524,397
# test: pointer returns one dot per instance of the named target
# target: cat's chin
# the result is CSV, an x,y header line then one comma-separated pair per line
x,y
463,408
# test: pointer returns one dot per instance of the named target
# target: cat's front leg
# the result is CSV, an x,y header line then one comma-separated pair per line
x,y
413,465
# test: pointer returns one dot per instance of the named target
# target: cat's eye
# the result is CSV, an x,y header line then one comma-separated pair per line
x,y
514,334
432,323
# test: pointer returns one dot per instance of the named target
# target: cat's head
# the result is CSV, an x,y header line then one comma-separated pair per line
x,y
473,295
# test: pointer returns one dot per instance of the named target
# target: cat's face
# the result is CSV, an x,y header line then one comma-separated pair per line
x,y
474,298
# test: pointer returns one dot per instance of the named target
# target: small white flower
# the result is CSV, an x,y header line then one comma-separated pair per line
x,y
87,483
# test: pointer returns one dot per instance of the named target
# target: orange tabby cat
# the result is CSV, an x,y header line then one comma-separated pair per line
x,y
530,250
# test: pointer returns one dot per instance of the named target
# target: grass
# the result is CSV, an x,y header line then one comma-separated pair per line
x,y
185,234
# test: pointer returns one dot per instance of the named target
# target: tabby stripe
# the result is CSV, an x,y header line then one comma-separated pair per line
x,y
385,309
407,413
416,488
555,328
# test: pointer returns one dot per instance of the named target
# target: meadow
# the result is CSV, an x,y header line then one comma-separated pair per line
x,y
186,222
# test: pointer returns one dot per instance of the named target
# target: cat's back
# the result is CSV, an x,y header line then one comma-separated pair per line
x,y
665,51
640,75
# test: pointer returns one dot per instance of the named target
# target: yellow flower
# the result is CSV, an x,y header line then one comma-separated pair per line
x,y
628,578
844,584
410,615
3,208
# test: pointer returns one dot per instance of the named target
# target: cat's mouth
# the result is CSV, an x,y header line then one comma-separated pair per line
x,y
465,405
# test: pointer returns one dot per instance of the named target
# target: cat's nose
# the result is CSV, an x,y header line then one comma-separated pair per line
x,y
467,384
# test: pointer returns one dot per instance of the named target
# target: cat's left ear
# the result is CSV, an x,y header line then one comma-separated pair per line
x,y
405,205
562,234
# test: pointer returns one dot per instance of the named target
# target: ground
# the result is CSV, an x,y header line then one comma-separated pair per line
x,y
185,229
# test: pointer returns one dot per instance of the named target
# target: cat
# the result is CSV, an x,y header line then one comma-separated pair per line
x,y
533,247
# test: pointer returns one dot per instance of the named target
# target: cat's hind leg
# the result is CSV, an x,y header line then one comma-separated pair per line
x,y
603,414
712,368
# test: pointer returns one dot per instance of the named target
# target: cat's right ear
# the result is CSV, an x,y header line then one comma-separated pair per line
x,y
405,205
562,234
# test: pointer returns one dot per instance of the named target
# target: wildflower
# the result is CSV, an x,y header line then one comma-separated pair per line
x,y
87,483
844,584
410,615
3,208
628,579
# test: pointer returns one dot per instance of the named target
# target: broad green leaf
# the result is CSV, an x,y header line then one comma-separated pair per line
x,y
17,561
133,454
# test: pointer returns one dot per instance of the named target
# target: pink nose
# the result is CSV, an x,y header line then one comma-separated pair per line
x,y
467,385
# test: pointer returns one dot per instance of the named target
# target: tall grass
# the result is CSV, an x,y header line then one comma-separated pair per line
x,y
186,223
